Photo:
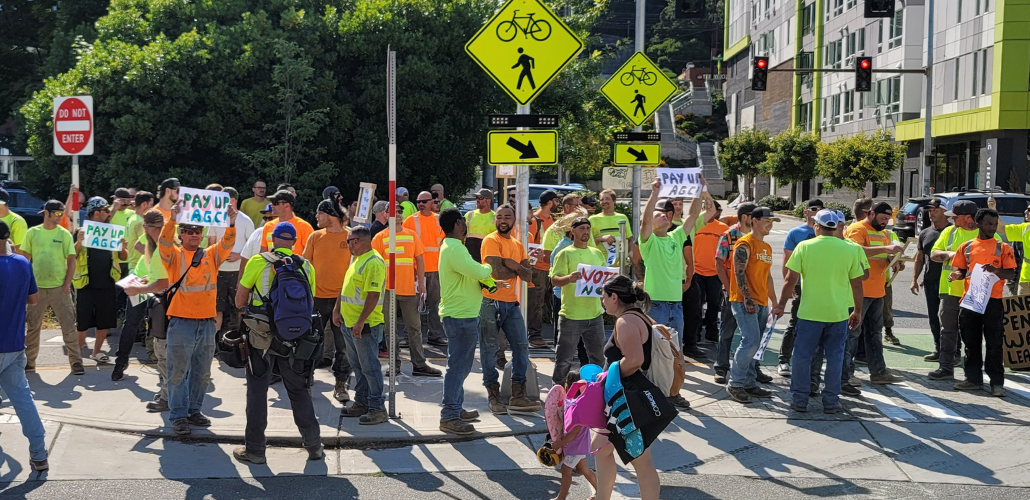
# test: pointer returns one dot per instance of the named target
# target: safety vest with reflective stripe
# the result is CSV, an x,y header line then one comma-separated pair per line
x,y
264,283
356,289
81,277
969,250
198,294
418,232
879,239
479,224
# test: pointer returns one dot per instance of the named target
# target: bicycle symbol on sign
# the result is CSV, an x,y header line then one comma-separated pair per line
x,y
539,29
642,75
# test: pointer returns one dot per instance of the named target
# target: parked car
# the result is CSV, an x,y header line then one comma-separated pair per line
x,y
912,217
24,204
1010,206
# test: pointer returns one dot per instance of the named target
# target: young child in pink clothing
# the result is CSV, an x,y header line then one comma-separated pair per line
x,y
575,445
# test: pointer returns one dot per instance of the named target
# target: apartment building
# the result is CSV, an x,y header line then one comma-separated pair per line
x,y
981,115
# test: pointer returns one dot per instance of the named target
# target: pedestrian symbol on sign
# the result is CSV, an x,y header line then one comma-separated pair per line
x,y
527,63
640,100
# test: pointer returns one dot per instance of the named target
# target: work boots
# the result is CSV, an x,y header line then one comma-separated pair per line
x,y
493,394
519,401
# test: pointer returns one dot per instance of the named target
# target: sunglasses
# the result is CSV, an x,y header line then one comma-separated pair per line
x,y
268,218
351,240
155,226
423,201
190,230
57,213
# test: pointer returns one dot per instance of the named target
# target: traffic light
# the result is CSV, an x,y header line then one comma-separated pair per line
x,y
879,8
759,73
863,74
690,9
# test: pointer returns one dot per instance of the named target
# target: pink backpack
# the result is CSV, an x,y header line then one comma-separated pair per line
x,y
584,405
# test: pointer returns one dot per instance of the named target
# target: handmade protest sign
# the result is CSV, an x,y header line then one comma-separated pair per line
x,y
201,207
592,279
102,236
770,325
680,182
1016,323
979,292
365,194
133,280
534,253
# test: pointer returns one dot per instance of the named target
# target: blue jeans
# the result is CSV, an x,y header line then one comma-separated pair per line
x,y
462,334
363,355
752,325
191,349
14,383
727,329
507,316
809,337
669,314
871,332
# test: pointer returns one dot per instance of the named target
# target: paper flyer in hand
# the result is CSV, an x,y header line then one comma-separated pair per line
x,y
979,292
770,325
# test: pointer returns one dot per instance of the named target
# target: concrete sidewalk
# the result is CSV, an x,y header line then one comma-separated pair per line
x,y
93,400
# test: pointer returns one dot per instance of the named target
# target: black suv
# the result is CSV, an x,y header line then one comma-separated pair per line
x,y
913,217
23,203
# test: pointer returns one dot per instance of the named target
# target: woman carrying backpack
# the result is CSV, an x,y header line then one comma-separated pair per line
x,y
630,347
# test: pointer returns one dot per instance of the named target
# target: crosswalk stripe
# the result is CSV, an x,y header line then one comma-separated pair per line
x,y
1018,389
886,406
927,403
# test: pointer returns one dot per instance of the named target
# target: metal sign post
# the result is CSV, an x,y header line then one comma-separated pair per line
x,y
391,298
522,216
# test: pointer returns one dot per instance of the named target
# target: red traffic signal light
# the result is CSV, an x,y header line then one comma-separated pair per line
x,y
863,74
759,73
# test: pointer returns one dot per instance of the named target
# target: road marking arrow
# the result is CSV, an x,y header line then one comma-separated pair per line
x,y
527,150
639,155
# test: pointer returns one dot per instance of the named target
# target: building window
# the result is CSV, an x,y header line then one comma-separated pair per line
x,y
959,11
888,94
983,72
805,116
833,109
849,106
895,29
958,78
885,190
851,4
833,54
838,7
976,74
856,43
808,19
824,188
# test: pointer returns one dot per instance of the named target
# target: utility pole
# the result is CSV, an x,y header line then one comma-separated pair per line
x,y
924,178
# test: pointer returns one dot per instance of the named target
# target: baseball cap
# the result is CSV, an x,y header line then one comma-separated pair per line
x,y
52,206
285,231
268,208
283,195
665,206
962,207
547,196
95,203
580,221
934,203
484,193
380,206
4,196
589,200
827,218
814,203
763,213
5,230
745,208
329,191
122,193
885,208
401,191
840,217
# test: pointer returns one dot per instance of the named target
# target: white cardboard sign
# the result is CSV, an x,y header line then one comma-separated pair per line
x,y
680,182
593,279
201,207
102,236
365,194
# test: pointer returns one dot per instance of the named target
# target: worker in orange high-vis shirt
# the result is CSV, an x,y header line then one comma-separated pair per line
x,y
539,292
410,281
426,226
191,315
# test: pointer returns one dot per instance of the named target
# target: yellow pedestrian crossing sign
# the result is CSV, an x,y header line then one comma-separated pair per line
x,y
523,47
522,147
637,154
638,88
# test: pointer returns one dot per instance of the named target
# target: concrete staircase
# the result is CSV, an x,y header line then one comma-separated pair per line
x,y
685,150
708,160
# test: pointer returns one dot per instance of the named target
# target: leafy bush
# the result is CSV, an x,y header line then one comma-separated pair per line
x,y
775,203
799,211
732,195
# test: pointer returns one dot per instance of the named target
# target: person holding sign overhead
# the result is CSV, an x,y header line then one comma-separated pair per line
x,y
983,253
579,317
96,271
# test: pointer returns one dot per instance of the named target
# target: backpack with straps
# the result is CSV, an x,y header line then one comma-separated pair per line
x,y
667,364
289,301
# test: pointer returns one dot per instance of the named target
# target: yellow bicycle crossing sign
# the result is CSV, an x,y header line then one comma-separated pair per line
x,y
522,47
638,88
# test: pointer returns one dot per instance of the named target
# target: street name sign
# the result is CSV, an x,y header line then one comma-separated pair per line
x,y
638,88
637,154
73,125
512,147
522,47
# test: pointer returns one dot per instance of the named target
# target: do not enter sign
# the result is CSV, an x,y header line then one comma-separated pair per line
x,y
73,125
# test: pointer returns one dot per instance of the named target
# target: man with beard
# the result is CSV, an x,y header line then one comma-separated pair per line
x,y
876,243
168,195
500,310
579,317
96,272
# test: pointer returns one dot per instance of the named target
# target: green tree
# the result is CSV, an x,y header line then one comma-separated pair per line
x,y
673,43
742,156
853,161
792,159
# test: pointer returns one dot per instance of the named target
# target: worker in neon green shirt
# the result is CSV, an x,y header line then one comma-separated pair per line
x,y
480,222
605,228
460,302
407,207
1020,233
13,221
442,203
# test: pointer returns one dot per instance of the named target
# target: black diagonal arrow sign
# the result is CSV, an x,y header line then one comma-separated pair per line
x,y
641,156
527,150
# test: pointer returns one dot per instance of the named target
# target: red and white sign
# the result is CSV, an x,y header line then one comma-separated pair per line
x,y
73,125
